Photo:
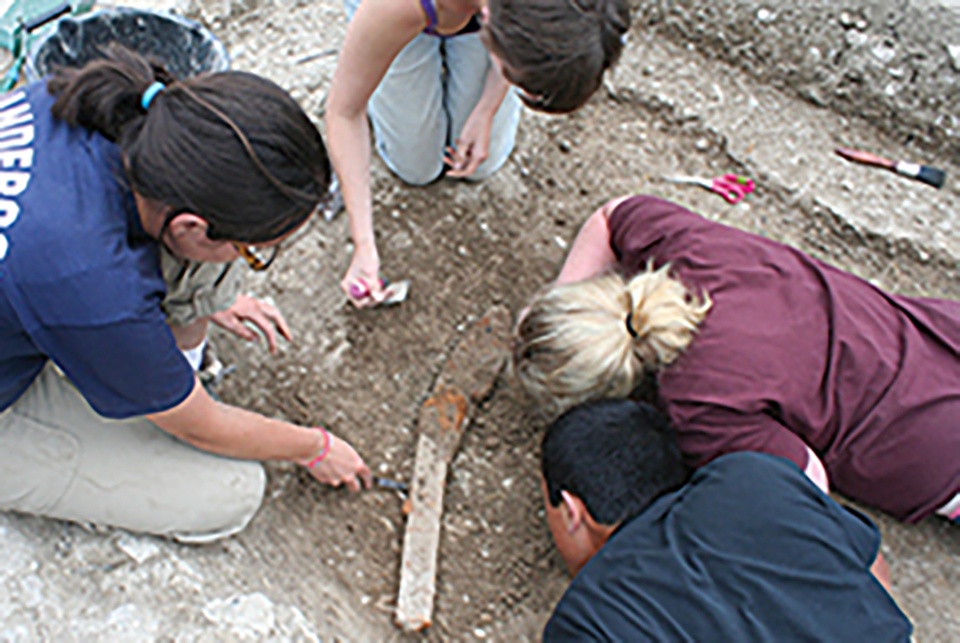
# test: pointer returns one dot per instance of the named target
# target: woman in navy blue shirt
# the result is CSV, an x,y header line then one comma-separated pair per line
x,y
103,419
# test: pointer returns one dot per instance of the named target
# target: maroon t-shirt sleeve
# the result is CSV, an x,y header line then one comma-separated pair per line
x,y
641,223
711,431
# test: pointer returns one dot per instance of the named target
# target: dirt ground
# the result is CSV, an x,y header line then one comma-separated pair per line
x,y
320,563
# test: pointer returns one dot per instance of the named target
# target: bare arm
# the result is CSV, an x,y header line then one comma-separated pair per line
x,y
236,433
881,570
816,471
377,33
473,142
591,254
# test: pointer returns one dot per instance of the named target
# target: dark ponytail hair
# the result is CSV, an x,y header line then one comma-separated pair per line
x,y
231,147
557,50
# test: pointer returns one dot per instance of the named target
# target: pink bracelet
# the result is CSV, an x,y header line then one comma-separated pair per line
x,y
324,452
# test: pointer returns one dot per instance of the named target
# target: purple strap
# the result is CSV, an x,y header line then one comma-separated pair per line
x,y
431,12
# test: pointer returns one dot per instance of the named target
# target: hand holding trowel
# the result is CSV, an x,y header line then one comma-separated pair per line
x,y
392,293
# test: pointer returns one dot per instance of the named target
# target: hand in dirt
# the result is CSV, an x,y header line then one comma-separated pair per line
x,y
343,466
362,282
472,147
261,314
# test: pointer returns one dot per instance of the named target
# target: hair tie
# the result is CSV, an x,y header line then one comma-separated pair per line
x,y
150,93
630,329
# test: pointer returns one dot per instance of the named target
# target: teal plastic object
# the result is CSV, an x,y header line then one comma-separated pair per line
x,y
24,23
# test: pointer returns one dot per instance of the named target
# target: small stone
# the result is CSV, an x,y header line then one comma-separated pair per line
x,y
765,15
702,144
564,146
480,633
492,442
856,38
250,614
846,20
648,70
139,549
561,242
954,52
884,52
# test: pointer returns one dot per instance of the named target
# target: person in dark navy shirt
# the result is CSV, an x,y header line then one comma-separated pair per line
x,y
745,549
102,170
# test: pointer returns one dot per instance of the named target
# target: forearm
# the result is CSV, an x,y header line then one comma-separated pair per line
x,y
591,254
235,433
495,89
191,335
348,140
881,571
816,471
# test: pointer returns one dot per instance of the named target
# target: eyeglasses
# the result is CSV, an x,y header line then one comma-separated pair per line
x,y
259,258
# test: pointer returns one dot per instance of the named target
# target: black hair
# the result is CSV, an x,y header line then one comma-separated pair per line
x,y
557,50
616,455
231,147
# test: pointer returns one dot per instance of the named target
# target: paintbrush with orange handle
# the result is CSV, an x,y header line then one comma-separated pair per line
x,y
923,173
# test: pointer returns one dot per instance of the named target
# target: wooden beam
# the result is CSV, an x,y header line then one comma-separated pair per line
x,y
466,379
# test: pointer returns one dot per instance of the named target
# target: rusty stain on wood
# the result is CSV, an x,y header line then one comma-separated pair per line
x,y
451,408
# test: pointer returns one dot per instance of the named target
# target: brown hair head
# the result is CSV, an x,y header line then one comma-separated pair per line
x,y
231,147
556,50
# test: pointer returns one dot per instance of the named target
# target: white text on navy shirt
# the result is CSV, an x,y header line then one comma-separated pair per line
x,y
16,134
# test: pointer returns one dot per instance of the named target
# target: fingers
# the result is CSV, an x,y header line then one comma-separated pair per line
x,y
472,164
234,324
361,284
354,294
363,293
276,317
353,484
343,467
248,310
263,323
453,158
464,163
365,476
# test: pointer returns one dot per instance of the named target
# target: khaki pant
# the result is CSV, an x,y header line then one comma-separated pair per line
x,y
58,458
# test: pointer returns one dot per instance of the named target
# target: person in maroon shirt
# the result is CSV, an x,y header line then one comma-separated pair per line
x,y
755,347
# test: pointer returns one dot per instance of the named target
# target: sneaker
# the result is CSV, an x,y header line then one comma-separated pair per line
x,y
212,370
